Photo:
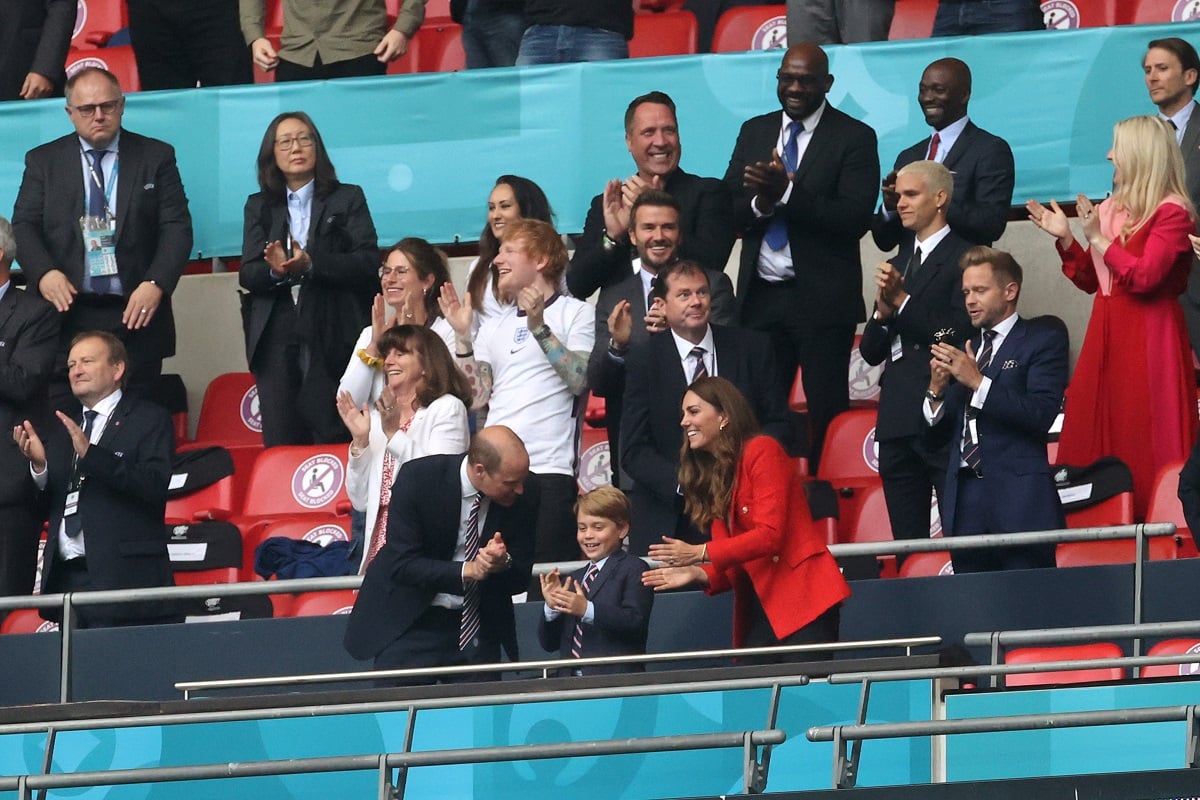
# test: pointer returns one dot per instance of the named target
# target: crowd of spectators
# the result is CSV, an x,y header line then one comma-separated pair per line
x,y
968,382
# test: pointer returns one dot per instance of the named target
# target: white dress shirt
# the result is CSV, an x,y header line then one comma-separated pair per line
x,y
455,601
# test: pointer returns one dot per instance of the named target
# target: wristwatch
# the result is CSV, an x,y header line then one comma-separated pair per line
x,y
936,398
608,243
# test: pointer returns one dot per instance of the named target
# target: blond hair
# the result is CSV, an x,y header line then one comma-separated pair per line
x,y
1145,152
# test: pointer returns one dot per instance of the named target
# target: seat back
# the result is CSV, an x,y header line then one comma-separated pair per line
x,y
1115,551
863,379
213,501
671,33
1173,647
319,604
229,413
927,565
1033,655
439,49
913,19
308,479
750,28
1115,510
320,531
117,60
851,454
95,23
1164,505
865,519
26,620
1064,14
1139,12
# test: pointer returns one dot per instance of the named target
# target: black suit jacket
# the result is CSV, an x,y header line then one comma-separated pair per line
x,y
416,561
1190,146
650,433
34,37
935,304
622,616
154,228
705,224
122,501
829,211
1029,375
28,341
984,176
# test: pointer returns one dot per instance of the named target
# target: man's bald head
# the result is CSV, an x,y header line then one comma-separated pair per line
x,y
498,464
944,92
803,80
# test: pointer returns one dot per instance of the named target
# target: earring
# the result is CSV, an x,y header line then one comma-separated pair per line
x,y
722,426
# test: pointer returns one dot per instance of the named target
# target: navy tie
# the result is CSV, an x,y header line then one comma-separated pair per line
x,y
97,207
470,610
776,235
577,636
972,457
74,523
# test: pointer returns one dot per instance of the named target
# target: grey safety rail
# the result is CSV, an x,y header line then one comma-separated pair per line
x,y
391,787
846,766
996,640
845,769
546,665
754,773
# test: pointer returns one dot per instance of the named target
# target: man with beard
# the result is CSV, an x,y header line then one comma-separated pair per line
x,y
654,231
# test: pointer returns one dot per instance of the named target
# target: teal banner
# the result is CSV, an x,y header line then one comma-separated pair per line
x,y
428,148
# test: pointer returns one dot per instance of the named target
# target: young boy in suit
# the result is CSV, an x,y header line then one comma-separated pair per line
x,y
601,609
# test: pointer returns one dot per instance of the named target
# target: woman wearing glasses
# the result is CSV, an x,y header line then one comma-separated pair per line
x,y
309,267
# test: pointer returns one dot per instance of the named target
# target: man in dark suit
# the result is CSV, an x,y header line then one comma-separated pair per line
x,y
652,136
654,231
119,276
1172,70
1008,387
982,164
107,484
28,339
804,183
839,21
918,302
34,37
459,545
657,375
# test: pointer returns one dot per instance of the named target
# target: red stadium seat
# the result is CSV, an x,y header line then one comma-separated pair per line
x,y
798,399
750,28
851,455
913,19
864,379
671,33
117,60
434,9
229,413
595,412
870,523
1116,510
927,565
1063,14
95,23
1165,507
320,604
215,501
26,620
1141,12
1033,655
1091,554
438,49
1172,647
273,18
205,577
595,459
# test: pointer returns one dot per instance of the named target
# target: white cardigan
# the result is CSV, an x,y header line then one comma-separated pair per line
x,y
366,384
439,428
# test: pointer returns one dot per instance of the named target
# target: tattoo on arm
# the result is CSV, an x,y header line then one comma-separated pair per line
x,y
479,375
570,366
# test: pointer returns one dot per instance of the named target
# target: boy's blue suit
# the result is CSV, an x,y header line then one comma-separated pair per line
x,y
1016,491
622,616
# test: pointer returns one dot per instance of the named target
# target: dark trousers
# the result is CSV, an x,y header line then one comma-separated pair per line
x,y
911,469
974,17
19,529
823,629
432,641
822,352
491,38
555,533
181,43
974,515
361,67
73,576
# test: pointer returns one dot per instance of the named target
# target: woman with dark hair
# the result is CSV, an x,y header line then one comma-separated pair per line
x,y
511,199
410,282
742,487
309,266
421,411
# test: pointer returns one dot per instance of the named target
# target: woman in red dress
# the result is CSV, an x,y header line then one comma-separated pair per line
x,y
1133,392
787,588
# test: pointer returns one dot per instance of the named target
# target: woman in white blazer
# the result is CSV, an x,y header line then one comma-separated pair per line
x,y
421,410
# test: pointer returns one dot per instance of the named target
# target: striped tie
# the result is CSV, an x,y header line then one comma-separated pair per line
x,y
577,636
970,447
470,610
701,370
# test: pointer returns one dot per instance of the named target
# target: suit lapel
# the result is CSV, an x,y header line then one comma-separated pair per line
x,y
314,223
610,567
824,133
7,306
1010,345
127,160
961,145
1191,135
929,268
113,427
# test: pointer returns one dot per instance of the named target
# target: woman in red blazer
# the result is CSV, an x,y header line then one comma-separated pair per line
x,y
742,487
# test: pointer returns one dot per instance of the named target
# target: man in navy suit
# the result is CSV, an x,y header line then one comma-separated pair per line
x,y
657,376
34,37
918,302
106,479
804,182
459,545
1008,387
120,283
982,164
654,230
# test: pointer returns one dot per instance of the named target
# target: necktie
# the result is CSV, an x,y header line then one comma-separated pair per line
x,y
972,457
74,523
776,235
914,264
701,371
934,141
100,284
577,636
650,294
470,610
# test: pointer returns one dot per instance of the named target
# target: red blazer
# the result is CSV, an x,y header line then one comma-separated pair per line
x,y
773,548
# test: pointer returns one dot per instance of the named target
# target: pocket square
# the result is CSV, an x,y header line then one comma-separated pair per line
x,y
148,187
1010,364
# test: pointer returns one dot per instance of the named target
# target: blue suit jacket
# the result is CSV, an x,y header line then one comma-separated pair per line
x,y
1029,374
622,616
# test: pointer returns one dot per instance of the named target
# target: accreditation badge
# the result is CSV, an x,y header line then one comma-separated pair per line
x,y
99,245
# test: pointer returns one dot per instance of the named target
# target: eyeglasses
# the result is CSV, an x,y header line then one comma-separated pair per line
x,y
89,110
303,141
386,271
807,81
